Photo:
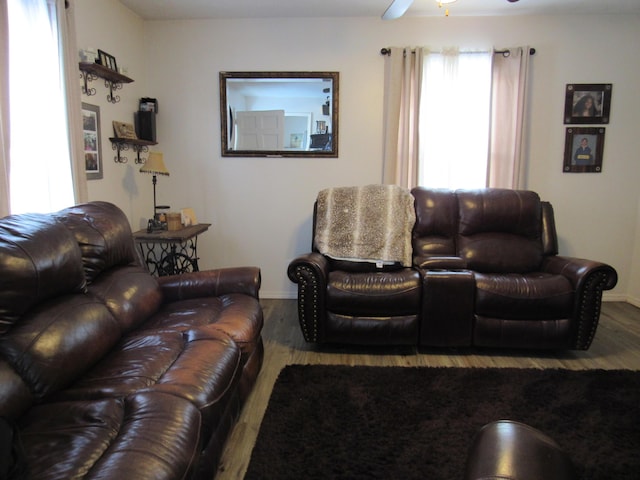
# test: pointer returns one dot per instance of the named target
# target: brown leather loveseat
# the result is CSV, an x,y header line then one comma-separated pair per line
x,y
485,271
107,372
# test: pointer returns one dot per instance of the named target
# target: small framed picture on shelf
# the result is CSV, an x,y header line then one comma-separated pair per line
x,y
148,105
124,130
107,60
583,149
587,103
91,138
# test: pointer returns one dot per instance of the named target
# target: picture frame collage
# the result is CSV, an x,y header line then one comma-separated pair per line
x,y
585,104
91,141
107,60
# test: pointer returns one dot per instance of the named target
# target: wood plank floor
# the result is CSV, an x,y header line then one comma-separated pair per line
x,y
616,346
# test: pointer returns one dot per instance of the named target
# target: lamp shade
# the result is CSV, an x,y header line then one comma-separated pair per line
x,y
155,164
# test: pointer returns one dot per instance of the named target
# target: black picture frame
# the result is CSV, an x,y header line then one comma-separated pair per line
x,y
91,140
583,149
587,103
107,60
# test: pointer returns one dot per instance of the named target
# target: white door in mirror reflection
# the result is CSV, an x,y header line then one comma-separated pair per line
x,y
260,130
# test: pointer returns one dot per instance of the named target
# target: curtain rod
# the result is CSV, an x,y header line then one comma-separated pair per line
x,y
506,53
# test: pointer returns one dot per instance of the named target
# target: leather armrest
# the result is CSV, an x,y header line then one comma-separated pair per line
x,y
211,283
578,270
310,271
440,263
512,450
315,262
589,278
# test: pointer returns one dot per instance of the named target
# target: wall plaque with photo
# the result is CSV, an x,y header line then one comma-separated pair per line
x,y
124,130
583,149
91,136
587,103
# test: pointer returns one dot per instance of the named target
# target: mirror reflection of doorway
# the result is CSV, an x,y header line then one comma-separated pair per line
x,y
260,130
314,94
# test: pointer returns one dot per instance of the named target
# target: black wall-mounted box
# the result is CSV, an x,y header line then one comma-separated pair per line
x,y
146,126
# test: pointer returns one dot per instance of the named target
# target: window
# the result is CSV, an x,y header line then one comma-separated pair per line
x,y
40,178
455,111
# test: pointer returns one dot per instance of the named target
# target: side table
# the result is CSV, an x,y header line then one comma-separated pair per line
x,y
170,252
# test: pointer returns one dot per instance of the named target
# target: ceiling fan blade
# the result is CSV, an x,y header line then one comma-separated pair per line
x,y
396,9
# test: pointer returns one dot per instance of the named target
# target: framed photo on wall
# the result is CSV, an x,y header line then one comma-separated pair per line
x,y
583,149
107,60
91,138
587,103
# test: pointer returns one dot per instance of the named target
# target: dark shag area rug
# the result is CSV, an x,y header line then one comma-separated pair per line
x,y
340,422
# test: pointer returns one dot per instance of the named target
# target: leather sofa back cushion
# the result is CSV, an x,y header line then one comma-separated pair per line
x,y
436,223
130,294
15,397
102,230
59,340
39,259
500,230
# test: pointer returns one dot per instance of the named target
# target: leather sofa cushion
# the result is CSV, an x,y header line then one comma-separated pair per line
x,y
39,260
196,365
500,252
15,395
147,435
500,230
523,296
436,224
130,294
59,340
375,294
236,315
103,233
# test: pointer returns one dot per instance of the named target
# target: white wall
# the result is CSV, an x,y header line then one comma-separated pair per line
x,y
109,26
260,208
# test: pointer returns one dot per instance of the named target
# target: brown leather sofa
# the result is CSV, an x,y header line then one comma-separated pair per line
x,y
109,372
486,272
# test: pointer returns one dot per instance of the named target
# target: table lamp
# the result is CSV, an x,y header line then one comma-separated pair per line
x,y
155,165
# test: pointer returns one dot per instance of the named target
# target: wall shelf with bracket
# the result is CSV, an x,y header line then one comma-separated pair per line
x,y
123,144
112,80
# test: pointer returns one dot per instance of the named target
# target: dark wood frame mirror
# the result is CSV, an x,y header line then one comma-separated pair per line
x,y
279,114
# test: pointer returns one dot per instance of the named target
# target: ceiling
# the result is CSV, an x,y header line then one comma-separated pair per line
x,y
190,9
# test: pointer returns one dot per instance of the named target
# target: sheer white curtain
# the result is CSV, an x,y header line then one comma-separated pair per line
x,y
40,156
72,93
454,119
403,77
509,87
4,110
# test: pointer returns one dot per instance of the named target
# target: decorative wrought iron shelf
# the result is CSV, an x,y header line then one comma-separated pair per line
x,y
112,80
123,144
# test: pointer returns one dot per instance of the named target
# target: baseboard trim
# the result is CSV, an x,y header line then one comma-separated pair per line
x,y
278,295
